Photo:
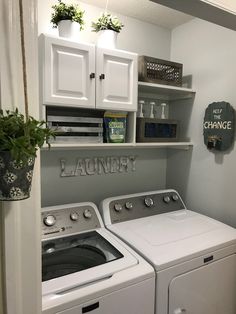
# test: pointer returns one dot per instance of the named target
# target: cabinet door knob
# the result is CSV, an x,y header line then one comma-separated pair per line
x,y
92,75
102,76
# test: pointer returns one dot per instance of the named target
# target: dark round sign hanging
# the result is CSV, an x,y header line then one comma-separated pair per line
x,y
218,126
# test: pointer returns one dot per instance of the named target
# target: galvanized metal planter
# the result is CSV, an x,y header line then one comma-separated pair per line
x,y
15,177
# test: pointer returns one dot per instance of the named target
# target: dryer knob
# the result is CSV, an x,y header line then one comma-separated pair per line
x,y
148,201
87,214
74,216
175,197
49,220
118,207
166,199
128,205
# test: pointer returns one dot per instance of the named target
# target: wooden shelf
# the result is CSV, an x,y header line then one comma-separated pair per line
x,y
67,146
165,92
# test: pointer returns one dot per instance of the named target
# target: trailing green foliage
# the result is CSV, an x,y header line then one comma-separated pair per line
x,y
64,11
22,137
107,21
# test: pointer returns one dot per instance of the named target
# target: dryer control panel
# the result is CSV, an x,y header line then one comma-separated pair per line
x,y
143,205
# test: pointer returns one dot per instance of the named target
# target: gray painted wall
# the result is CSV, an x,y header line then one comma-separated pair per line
x,y
150,174
206,180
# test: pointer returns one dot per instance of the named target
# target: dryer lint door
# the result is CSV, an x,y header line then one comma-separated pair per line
x,y
209,289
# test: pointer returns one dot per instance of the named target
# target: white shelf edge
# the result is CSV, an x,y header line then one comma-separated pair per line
x,y
167,87
88,146
174,145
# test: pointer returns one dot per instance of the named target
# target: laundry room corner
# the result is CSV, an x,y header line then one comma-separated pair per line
x,y
206,178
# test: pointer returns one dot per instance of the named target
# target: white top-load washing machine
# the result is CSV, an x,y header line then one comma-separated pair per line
x,y
194,256
86,269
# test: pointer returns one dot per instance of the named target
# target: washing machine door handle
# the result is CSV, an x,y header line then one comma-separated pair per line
x,y
179,311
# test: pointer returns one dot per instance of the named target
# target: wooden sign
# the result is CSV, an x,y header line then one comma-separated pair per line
x,y
218,126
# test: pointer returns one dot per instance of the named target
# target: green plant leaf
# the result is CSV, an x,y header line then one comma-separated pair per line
x,y
62,11
22,137
107,21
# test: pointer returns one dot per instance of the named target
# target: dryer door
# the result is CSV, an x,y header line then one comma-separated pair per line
x,y
209,289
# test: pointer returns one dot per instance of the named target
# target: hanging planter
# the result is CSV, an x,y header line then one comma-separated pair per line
x,y
107,27
19,140
15,177
20,137
68,19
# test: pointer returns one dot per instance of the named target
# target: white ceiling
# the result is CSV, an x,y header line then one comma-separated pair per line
x,y
144,10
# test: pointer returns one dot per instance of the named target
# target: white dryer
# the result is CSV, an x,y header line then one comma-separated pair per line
x,y
194,256
86,269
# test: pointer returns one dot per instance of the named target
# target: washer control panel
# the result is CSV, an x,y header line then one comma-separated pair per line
x,y
59,220
143,205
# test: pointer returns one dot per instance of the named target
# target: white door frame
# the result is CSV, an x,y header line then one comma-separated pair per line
x,y
21,219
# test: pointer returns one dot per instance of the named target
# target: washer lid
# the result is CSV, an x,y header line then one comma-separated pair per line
x,y
168,239
110,249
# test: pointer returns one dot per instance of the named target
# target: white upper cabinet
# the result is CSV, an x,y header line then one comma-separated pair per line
x,y
116,80
69,76
68,73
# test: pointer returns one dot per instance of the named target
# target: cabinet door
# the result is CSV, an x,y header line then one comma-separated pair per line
x,y
68,73
206,290
116,78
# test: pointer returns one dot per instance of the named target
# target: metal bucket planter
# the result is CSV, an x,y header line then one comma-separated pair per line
x,y
15,178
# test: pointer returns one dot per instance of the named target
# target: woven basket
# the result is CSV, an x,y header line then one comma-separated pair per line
x,y
153,70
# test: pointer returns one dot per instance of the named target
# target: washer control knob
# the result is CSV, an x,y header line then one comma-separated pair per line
x,y
74,216
49,220
87,214
128,205
148,201
175,197
166,199
118,207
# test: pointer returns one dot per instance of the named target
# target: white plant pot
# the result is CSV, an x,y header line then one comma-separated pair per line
x,y
107,39
68,28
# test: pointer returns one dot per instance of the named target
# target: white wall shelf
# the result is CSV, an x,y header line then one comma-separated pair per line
x,y
166,92
173,145
68,146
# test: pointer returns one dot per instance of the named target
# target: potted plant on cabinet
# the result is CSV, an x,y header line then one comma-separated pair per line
x,y
108,27
68,18
19,140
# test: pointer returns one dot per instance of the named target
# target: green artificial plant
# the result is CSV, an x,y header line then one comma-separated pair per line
x,y
107,21
63,11
22,137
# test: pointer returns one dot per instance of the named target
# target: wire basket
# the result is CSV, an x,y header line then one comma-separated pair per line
x,y
160,71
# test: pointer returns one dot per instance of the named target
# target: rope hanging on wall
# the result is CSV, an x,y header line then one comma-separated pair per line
x,y
22,36
106,6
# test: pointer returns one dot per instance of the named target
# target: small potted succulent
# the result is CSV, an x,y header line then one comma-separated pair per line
x,y
108,27
19,140
68,18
